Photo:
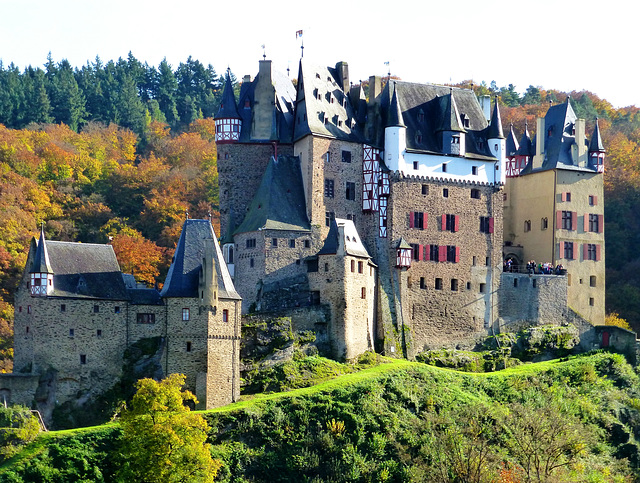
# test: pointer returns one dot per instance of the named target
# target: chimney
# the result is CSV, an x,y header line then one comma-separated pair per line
x,y
375,88
485,103
265,70
581,143
541,134
246,79
343,76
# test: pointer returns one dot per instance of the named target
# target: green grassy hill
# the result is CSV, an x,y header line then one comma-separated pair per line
x,y
564,420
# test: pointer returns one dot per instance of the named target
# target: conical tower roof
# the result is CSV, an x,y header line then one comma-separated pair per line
x,y
228,108
495,128
511,144
41,262
596,141
394,116
526,146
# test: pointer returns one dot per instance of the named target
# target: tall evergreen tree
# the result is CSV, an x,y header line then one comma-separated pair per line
x,y
165,94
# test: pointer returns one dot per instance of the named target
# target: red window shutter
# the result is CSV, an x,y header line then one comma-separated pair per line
x,y
427,252
574,220
585,251
411,219
491,225
561,254
558,219
444,222
442,253
456,223
600,223
457,254
575,251
424,223
420,252
586,223
598,253
595,200
563,196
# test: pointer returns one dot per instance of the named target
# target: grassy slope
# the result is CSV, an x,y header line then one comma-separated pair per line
x,y
299,432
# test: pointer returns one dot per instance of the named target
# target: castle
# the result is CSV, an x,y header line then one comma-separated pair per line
x,y
380,222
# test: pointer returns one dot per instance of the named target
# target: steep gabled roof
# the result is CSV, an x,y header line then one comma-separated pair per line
x,y
319,98
427,109
343,235
279,203
526,146
85,270
596,141
184,274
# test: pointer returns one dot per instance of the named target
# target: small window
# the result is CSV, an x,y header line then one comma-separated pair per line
x,y
350,190
567,220
96,309
225,315
544,223
72,332
346,156
483,287
116,309
422,283
188,346
425,189
360,267
326,267
292,243
444,168
568,196
592,200
274,242
27,329
307,243
327,157
468,285
474,170
20,309
83,358
445,192
353,265
591,301
363,292
251,243
486,261
415,165
145,318
454,284
251,262
568,250
28,309
515,282
329,188
185,314
329,216
527,225
99,332
474,261
592,281
63,308
438,284
475,193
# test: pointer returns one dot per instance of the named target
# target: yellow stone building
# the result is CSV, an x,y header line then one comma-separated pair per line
x,y
553,205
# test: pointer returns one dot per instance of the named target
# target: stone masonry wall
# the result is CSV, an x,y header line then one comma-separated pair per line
x,y
444,303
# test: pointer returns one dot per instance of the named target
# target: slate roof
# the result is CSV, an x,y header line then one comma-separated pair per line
x,y
351,240
279,203
41,262
511,144
183,277
559,124
596,140
526,146
394,116
319,97
283,112
228,107
85,270
427,109
495,127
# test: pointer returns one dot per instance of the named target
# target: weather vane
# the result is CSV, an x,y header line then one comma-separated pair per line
x,y
389,68
264,53
299,36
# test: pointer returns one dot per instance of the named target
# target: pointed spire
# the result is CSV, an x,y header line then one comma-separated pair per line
x,y
450,115
495,128
511,145
41,262
228,107
394,116
596,141
526,146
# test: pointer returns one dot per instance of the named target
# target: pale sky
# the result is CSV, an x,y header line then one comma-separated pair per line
x,y
548,43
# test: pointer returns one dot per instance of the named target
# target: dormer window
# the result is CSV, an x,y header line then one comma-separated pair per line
x,y
247,104
418,137
481,145
465,121
421,116
455,139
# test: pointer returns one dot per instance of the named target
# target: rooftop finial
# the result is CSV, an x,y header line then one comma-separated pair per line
x,y
209,215
264,53
388,64
186,214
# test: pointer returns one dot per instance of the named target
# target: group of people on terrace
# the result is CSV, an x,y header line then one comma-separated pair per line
x,y
534,268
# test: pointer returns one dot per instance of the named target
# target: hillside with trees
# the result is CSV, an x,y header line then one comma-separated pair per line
x,y
119,151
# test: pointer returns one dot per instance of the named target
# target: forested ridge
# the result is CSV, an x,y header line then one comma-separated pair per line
x,y
120,151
